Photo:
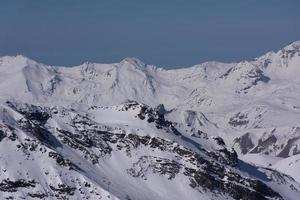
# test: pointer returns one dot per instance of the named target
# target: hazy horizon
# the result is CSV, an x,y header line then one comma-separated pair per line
x,y
167,34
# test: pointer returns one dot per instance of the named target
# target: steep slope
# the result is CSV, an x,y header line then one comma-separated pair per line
x,y
290,166
195,115
60,153
25,79
199,86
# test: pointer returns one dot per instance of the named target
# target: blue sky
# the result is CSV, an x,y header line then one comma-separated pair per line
x,y
167,33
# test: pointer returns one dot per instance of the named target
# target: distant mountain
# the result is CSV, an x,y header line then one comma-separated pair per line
x,y
130,130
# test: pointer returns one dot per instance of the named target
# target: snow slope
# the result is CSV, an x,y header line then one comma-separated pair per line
x,y
252,106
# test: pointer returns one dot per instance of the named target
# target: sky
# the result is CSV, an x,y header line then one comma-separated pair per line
x,y
166,33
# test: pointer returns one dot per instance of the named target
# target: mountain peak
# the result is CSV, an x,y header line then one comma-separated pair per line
x,y
95,131
293,45
290,50
133,61
18,61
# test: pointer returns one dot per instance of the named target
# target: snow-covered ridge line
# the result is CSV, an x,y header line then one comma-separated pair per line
x,y
132,79
164,128
136,61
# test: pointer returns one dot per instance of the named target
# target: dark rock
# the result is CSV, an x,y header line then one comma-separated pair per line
x,y
63,189
31,112
238,120
7,185
245,143
264,144
61,161
2,135
287,149
38,195
160,109
219,141
156,165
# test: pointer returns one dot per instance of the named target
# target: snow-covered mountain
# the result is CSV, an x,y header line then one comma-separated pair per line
x,y
130,130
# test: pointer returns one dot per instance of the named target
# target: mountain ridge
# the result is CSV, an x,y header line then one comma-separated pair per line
x,y
152,128
291,47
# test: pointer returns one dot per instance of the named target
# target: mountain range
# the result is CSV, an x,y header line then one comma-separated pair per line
x,y
130,130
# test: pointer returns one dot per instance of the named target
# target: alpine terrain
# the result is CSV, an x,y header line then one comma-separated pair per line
x,y
132,131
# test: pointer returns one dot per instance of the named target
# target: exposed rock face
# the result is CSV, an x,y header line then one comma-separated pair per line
x,y
270,143
63,189
61,161
157,117
209,171
238,120
245,143
262,145
76,134
7,185
2,135
34,113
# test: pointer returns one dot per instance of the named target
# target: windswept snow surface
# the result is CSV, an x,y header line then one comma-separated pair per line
x,y
130,130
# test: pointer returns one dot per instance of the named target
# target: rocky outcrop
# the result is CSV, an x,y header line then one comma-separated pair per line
x,y
214,171
8,185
